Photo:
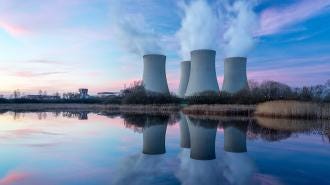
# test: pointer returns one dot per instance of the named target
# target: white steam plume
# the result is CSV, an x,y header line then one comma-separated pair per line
x,y
133,33
199,28
242,23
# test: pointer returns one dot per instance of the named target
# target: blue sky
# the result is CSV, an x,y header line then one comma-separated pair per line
x,y
60,45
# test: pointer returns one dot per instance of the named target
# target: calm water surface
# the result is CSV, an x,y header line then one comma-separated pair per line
x,y
90,149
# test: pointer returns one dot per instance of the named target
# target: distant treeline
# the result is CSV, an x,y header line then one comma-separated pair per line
x,y
256,93
265,91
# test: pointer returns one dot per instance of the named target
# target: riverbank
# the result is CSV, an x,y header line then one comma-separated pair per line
x,y
273,109
152,109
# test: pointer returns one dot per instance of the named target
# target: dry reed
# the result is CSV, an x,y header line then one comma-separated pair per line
x,y
294,109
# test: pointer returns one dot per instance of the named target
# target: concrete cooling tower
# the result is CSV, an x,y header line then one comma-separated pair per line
x,y
234,75
202,72
154,76
185,71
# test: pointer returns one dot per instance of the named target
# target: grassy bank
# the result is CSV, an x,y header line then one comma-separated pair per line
x,y
293,109
273,109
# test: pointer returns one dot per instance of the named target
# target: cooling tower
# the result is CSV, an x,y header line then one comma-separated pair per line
x,y
202,72
154,76
235,74
202,139
154,139
185,71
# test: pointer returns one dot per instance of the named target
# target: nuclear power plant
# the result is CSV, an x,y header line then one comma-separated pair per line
x,y
202,72
197,75
235,78
154,75
184,79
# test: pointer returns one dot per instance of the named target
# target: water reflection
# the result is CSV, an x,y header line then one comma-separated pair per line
x,y
154,132
199,164
184,132
202,138
240,168
150,166
198,150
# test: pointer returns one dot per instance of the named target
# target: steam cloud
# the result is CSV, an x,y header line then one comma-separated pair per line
x,y
199,28
133,33
238,37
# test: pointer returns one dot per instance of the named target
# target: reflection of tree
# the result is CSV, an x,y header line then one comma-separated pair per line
x,y
138,121
81,115
255,131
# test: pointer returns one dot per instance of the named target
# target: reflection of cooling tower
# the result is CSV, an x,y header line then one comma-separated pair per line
x,y
235,74
202,73
185,71
202,139
154,139
234,139
154,76
184,132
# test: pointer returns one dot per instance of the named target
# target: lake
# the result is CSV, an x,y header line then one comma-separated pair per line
x,y
82,148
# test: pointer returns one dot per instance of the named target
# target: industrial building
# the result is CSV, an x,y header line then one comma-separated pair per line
x,y
235,78
202,72
154,73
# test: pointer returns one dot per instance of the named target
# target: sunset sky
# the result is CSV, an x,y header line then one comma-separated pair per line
x,y
62,45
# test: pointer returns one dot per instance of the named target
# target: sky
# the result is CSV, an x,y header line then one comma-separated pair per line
x,y
63,45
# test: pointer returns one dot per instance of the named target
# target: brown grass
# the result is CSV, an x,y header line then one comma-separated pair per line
x,y
220,110
293,109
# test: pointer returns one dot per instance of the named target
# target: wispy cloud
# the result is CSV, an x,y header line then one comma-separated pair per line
x,y
276,19
29,74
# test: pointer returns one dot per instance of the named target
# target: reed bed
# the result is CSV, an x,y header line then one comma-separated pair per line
x,y
294,109
220,110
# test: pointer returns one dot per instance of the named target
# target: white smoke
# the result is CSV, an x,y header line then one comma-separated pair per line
x,y
199,27
242,22
132,32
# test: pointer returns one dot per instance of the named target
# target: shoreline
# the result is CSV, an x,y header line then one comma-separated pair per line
x,y
273,109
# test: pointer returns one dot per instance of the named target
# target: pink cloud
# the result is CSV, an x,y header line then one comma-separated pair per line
x,y
13,29
298,75
274,20
13,178
29,74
